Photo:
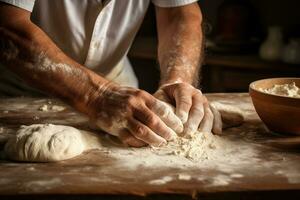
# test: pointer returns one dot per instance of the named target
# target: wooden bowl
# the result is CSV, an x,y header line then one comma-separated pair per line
x,y
280,114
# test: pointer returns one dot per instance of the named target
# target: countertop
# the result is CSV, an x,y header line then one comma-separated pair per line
x,y
258,171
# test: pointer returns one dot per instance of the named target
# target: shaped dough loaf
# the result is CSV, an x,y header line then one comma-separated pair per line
x,y
46,143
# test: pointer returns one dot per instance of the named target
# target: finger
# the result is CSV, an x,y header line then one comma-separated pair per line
x,y
217,125
183,100
195,116
167,115
142,132
151,120
127,138
208,119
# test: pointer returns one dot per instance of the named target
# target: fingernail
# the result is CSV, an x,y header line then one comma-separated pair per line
x,y
173,135
179,128
161,144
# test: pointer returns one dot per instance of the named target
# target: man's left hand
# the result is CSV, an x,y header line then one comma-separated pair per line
x,y
192,107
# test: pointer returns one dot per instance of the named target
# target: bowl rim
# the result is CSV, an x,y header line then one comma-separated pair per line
x,y
251,87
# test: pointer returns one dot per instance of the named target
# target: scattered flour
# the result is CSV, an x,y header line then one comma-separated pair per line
x,y
292,176
199,147
35,118
31,169
44,184
184,177
221,180
236,175
289,90
203,150
161,181
43,108
46,108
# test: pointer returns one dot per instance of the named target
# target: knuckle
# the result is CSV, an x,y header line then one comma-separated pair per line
x,y
131,101
186,101
141,132
152,121
200,98
141,94
198,92
199,110
184,84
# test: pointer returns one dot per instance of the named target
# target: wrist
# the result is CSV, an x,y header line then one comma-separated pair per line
x,y
173,81
177,76
92,94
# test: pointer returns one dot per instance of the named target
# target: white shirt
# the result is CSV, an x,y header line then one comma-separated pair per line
x,y
95,33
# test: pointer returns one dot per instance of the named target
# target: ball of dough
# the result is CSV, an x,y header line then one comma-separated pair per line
x,y
44,143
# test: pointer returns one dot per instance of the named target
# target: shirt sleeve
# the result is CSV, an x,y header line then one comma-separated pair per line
x,y
24,4
172,3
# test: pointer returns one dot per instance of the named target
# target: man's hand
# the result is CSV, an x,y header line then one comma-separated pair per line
x,y
133,115
180,53
191,107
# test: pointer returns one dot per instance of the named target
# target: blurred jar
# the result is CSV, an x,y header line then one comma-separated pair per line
x,y
271,48
291,52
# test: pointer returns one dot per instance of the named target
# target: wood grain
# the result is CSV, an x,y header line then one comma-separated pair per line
x,y
99,173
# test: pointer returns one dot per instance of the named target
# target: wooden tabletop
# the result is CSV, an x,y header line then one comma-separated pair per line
x,y
267,172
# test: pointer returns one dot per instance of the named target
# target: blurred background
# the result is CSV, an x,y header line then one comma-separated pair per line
x,y
245,40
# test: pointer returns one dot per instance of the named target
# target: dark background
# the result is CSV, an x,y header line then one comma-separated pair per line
x,y
226,70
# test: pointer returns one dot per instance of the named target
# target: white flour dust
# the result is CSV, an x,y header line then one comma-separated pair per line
x,y
198,147
288,90
203,150
46,108
49,106
161,181
42,185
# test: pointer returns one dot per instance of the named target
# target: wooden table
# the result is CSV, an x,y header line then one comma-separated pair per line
x,y
272,173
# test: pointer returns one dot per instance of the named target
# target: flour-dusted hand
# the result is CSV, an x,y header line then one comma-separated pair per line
x,y
192,107
134,115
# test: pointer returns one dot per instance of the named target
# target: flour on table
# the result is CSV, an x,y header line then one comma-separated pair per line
x,y
46,108
43,108
288,90
197,147
161,181
48,143
202,146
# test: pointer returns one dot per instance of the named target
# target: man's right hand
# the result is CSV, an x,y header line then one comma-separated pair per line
x,y
133,115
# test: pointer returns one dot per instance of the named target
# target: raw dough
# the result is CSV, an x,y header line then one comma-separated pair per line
x,y
231,115
49,143
202,146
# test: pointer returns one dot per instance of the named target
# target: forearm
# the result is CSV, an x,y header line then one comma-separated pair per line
x,y
180,49
40,63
